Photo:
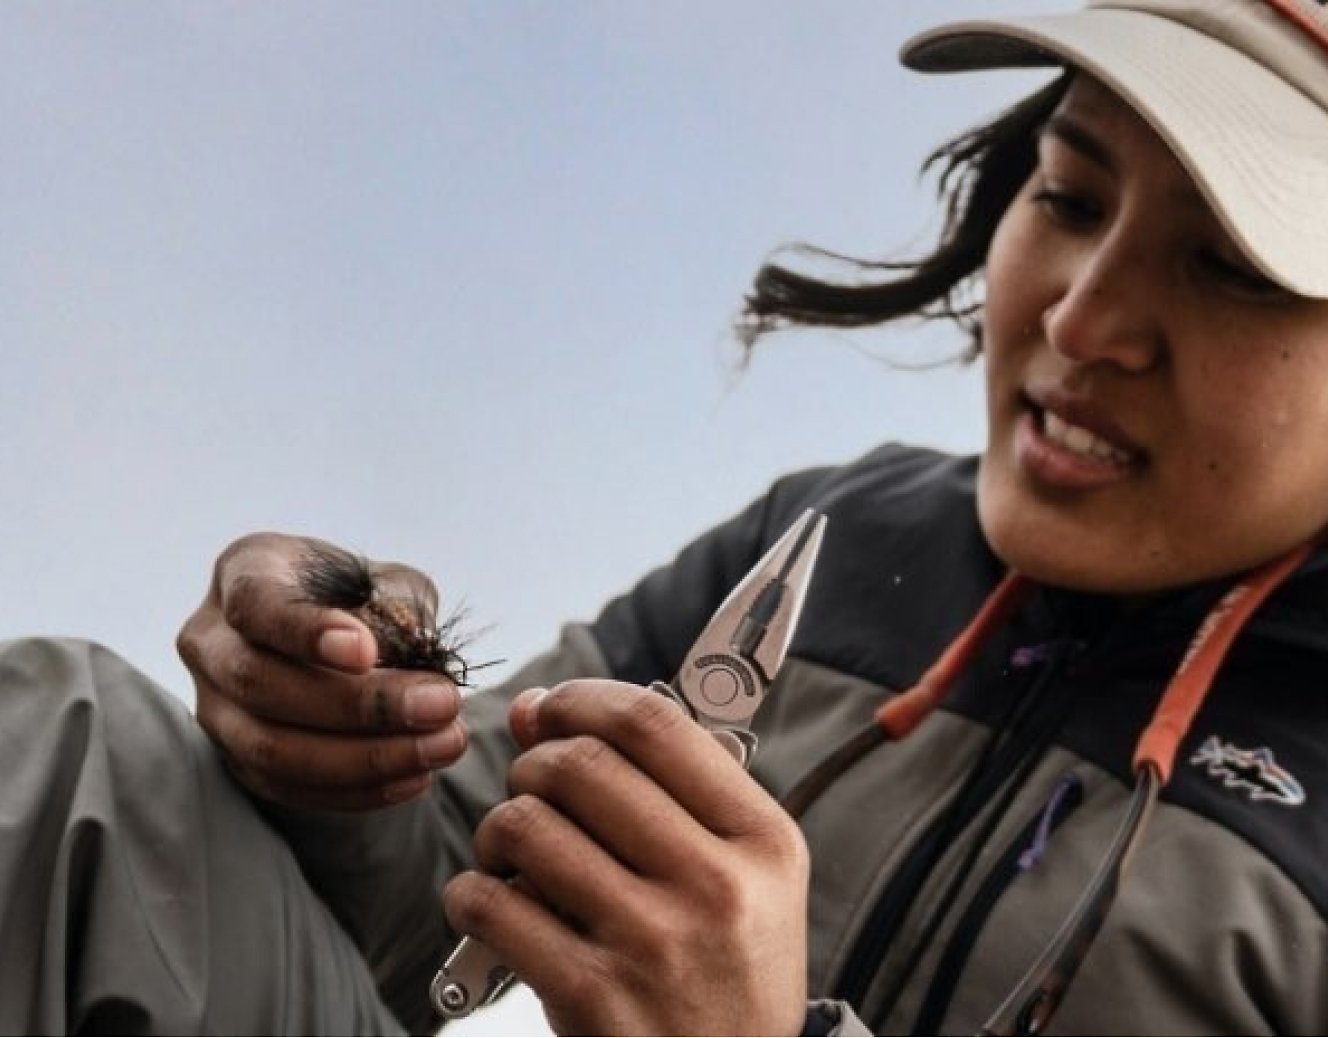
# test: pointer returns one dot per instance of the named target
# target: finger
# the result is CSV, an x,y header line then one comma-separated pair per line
x,y
286,755
574,876
275,688
317,798
614,802
654,734
257,587
540,948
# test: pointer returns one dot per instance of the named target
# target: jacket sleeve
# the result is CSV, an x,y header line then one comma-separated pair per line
x,y
382,874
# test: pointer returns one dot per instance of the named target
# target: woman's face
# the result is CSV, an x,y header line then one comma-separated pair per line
x,y
1158,410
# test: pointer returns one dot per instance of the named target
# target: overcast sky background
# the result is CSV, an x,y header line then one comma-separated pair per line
x,y
444,282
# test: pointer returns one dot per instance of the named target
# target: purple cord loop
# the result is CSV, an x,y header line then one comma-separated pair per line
x,y
1027,655
1030,858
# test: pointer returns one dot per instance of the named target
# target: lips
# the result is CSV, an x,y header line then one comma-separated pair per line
x,y
1067,442
1078,439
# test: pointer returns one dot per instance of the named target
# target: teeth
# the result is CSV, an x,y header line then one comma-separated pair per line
x,y
1078,440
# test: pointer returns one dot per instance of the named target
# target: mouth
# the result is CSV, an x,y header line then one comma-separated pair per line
x,y
1080,440
1067,443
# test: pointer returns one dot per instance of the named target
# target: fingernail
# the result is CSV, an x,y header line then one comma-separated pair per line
x,y
439,748
523,713
426,706
340,647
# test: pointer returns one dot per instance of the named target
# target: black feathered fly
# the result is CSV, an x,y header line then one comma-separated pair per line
x,y
408,633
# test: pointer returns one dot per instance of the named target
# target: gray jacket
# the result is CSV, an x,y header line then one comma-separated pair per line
x,y
921,916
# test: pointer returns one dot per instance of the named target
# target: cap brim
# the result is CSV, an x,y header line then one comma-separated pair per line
x,y
1255,145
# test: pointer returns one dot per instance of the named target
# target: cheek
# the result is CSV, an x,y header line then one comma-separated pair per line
x,y
1264,435
1011,311
1021,275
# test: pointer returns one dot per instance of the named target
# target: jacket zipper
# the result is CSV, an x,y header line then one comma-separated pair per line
x,y
1021,855
996,764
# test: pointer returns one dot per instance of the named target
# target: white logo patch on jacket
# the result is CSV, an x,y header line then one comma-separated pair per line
x,y
1256,773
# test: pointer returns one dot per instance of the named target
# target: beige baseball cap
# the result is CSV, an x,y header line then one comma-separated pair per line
x,y
1237,88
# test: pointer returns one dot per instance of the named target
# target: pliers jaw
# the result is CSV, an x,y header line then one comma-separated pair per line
x,y
726,674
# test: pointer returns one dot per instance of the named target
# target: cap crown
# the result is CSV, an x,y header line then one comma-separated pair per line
x,y
1289,37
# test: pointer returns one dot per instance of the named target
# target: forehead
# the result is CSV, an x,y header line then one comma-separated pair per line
x,y
1093,120
1095,105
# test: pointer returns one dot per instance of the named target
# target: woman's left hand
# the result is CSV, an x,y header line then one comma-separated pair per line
x,y
661,890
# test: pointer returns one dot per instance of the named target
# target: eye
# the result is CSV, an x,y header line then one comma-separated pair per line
x,y
1238,276
1073,210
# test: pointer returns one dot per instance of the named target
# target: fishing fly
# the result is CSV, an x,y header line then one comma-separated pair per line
x,y
405,627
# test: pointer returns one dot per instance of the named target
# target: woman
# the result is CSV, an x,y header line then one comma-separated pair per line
x,y
1122,595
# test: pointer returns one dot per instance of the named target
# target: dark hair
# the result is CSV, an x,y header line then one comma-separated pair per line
x,y
978,174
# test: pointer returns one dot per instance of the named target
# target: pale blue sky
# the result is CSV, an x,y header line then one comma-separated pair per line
x,y
445,282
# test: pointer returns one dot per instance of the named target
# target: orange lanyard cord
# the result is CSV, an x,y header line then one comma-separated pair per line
x,y
1184,694
906,711
1208,648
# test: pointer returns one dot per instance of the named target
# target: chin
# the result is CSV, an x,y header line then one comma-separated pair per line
x,y
1051,548
1049,545
1071,570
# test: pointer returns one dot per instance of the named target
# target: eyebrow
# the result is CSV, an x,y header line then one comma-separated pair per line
x,y
1077,136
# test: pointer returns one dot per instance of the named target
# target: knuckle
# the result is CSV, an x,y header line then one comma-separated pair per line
x,y
590,985
255,751
725,893
557,706
471,902
513,822
790,847
240,604
660,934
385,760
672,942
187,645
379,760
246,678
649,715
227,558
375,707
760,824
575,758
776,836
552,769
245,543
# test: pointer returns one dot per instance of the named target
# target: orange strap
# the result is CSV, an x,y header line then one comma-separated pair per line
x,y
1189,685
1184,693
904,712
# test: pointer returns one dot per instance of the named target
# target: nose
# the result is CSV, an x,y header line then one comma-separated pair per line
x,y
1109,307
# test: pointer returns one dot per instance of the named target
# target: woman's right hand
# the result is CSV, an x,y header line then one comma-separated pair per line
x,y
288,690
